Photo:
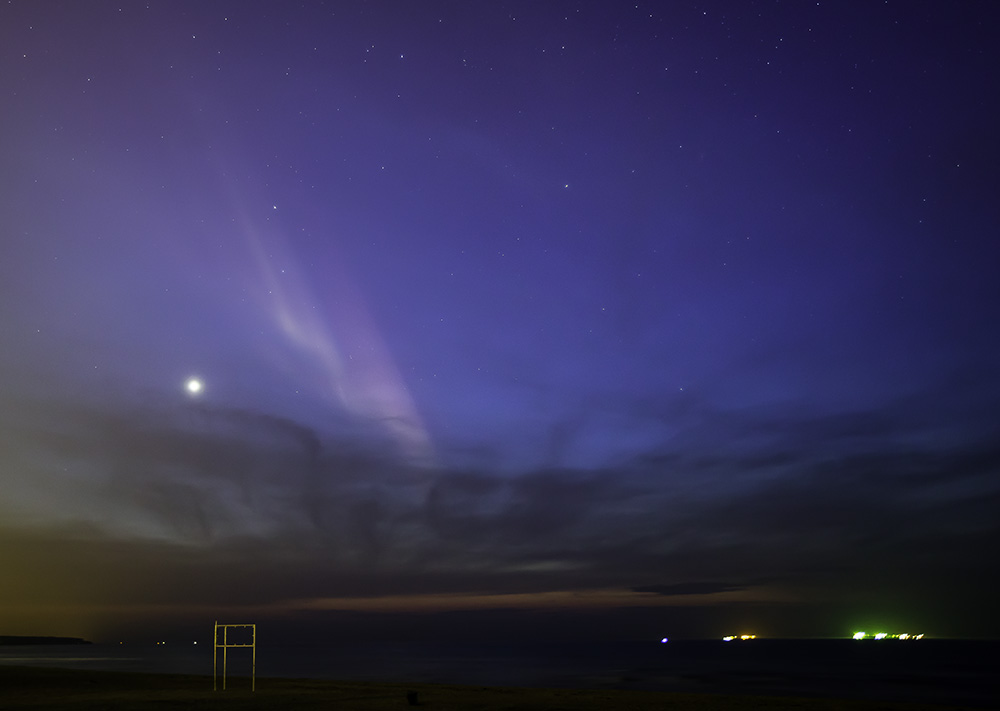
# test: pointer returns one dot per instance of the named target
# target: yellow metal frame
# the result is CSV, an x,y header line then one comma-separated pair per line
x,y
225,646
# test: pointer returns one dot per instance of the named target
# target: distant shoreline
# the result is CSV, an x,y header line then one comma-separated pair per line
x,y
18,640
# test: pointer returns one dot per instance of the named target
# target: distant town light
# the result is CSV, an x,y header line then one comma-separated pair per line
x,y
886,635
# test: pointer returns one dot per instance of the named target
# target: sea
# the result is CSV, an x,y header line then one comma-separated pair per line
x,y
935,671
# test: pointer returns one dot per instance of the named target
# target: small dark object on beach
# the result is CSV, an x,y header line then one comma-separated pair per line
x,y
411,698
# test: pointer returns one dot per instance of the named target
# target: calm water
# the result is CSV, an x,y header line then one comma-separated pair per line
x,y
931,671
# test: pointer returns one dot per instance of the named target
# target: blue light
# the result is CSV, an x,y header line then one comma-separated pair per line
x,y
663,641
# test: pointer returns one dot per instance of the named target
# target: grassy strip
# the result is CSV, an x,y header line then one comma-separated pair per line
x,y
24,688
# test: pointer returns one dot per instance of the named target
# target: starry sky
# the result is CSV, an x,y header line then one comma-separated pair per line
x,y
609,318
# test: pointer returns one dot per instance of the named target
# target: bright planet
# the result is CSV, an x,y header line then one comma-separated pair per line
x,y
194,386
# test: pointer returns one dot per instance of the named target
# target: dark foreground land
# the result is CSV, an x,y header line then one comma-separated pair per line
x,y
37,688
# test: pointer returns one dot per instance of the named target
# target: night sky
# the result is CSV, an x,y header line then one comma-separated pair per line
x,y
529,318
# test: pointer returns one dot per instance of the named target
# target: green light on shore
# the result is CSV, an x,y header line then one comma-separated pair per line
x,y
886,635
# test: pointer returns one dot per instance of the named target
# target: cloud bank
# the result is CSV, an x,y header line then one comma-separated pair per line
x,y
182,510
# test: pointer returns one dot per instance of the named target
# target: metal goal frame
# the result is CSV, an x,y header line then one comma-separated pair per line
x,y
225,645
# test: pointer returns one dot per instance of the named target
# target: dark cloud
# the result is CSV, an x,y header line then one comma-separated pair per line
x,y
698,588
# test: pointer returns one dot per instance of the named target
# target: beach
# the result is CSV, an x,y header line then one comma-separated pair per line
x,y
79,690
